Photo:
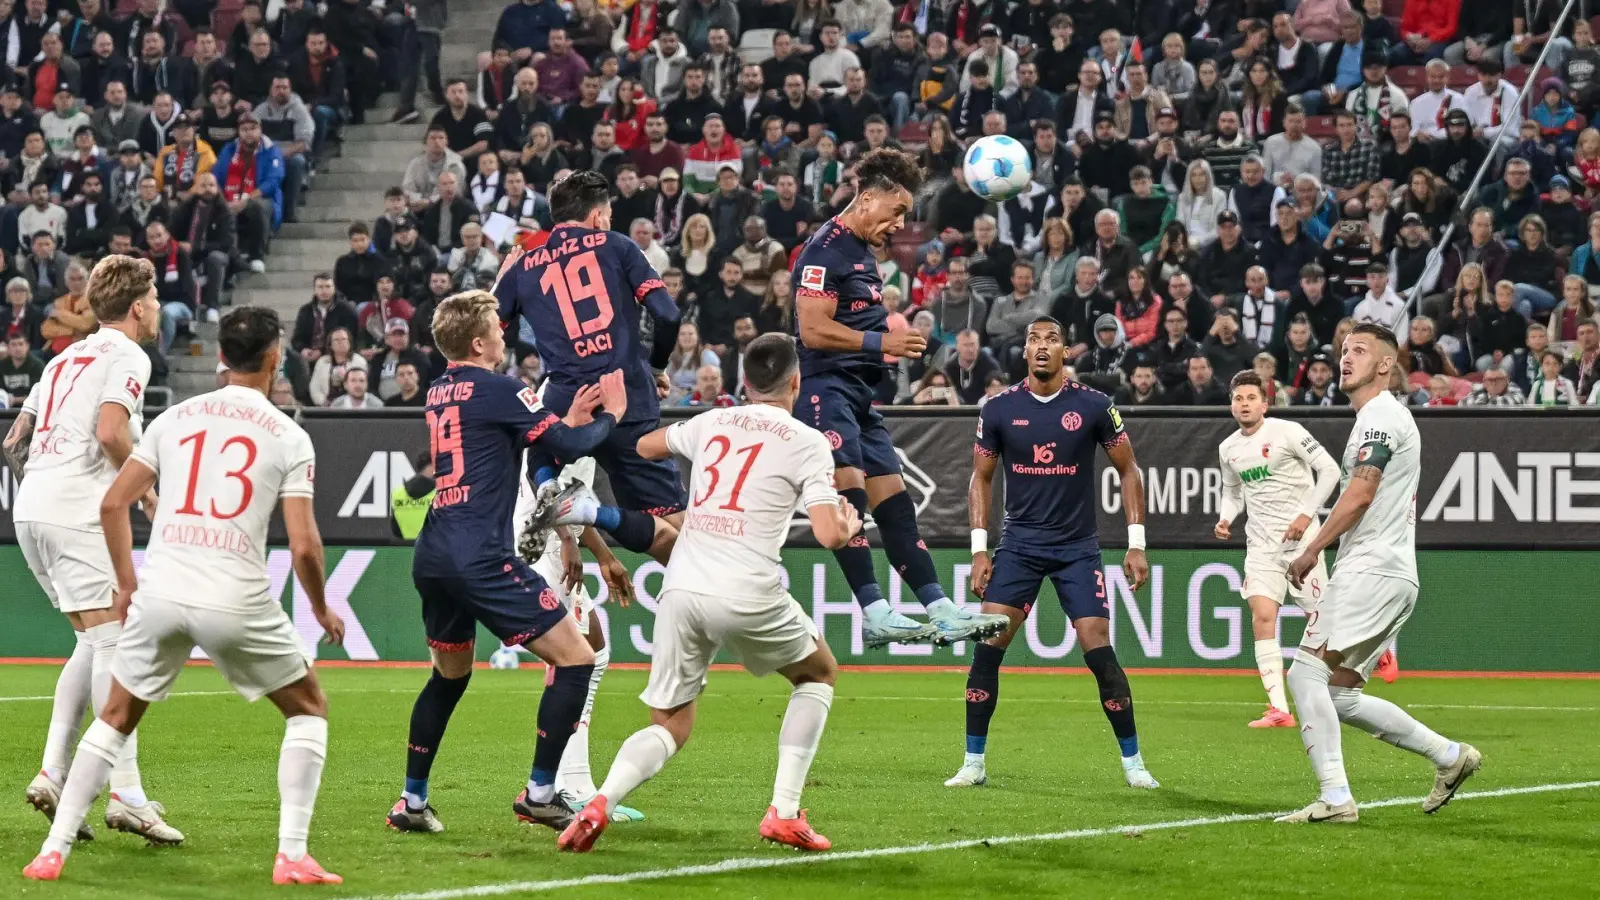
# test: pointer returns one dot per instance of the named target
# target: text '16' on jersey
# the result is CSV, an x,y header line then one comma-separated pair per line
x,y
582,293
837,265
1047,448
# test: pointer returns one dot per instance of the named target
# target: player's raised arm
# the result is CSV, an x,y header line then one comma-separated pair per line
x,y
566,442
819,330
980,495
1119,449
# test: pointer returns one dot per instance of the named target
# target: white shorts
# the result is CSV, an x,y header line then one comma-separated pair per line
x,y
578,599
764,634
1359,618
1266,574
257,652
72,565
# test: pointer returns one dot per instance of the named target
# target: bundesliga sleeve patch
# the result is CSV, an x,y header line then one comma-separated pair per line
x,y
813,277
530,399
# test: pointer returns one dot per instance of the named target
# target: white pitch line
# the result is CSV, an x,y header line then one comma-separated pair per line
x,y
956,699
746,863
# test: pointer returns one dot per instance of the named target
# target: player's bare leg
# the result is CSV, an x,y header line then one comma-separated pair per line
x,y
430,716
127,809
300,762
983,694
100,748
72,698
644,754
1326,694
896,516
1116,696
574,780
560,708
1269,662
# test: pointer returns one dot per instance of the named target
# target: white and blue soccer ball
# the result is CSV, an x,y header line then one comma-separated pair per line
x,y
505,658
998,167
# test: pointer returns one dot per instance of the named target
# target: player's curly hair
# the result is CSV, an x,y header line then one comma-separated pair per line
x,y
117,283
886,169
462,317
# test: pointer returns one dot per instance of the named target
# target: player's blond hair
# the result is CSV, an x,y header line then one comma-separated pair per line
x,y
462,317
116,284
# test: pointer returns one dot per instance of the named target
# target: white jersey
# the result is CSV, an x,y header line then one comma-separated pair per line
x,y
751,466
222,460
1281,472
1384,542
67,474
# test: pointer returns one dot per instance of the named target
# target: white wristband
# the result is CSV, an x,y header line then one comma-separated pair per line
x,y
1135,537
980,541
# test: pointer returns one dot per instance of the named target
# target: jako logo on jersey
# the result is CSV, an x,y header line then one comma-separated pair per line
x,y
1019,423
1045,453
1072,421
812,277
834,440
1259,473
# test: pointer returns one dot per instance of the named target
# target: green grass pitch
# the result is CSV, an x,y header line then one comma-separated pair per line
x,y
877,783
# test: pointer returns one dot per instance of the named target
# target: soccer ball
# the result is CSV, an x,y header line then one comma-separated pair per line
x,y
505,658
997,167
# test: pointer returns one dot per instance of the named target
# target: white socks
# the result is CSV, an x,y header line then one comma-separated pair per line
x,y
802,728
573,775
74,688
1269,662
1393,725
125,782
1319,726
642,755
100,746
300,761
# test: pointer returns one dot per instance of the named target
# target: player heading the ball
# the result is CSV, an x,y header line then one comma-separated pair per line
x,y
844,344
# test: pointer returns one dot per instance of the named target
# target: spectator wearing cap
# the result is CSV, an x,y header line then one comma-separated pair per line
x,y
250,171
156,71
1223,263
288,123
203,227
62,122
1568,226
219,121
253,71
975,102
472,266
1376,98
410,260
51,71
1312,299
1321,389
317,76
728,208
1107,161
422,174
1409,259
355,274
116,120
128,169
1457,157
91,218
180,161
85,158
155,129
397,352
102,66
1001,60
20,316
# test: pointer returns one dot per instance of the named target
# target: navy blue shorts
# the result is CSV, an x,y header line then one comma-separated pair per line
x,y
839,405
638,484
510,600
1079,579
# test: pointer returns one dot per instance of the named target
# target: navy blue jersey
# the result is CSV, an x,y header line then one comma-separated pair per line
x,y
582,293
841,267
1047,449
478,424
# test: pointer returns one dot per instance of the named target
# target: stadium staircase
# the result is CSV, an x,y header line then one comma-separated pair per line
x,y
347,189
